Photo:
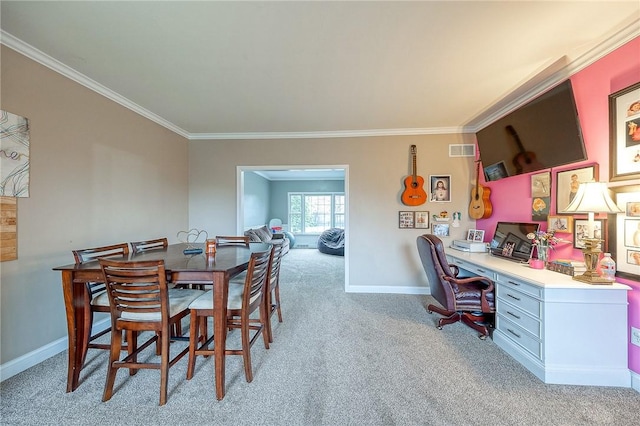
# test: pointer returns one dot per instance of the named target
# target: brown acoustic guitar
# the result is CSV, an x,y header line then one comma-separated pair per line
x,y
414,194
480,206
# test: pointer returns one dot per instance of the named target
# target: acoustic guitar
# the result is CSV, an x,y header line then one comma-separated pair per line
x,y
525,161
480,206
414,194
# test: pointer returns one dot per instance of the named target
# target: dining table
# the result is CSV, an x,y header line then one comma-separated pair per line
x,y
182,268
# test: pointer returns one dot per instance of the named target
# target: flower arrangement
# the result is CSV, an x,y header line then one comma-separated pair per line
x,y
543,241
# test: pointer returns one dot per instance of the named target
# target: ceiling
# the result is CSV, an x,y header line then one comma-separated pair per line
x,y
239,70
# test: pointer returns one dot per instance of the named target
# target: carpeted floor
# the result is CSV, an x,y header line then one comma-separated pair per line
x,y
337,359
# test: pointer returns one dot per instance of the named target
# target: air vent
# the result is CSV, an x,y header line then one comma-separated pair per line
x,y
462,150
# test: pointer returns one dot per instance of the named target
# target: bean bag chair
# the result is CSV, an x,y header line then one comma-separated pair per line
x,y
331,241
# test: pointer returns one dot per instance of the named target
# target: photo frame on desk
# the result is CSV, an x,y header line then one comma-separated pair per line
x,y
622,244
568,181
624,134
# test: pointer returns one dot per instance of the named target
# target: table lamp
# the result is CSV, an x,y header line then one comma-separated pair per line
x,y
591,198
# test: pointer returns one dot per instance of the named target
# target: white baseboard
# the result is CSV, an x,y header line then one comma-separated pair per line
x,y
635,381
386,289
26,361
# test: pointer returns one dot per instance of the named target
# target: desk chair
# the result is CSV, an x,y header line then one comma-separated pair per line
x,y
470,300
243,301
140,300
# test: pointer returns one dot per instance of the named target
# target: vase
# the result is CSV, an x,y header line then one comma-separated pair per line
x,y
543,253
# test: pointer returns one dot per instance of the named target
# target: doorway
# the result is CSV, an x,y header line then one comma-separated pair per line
x,y
290,173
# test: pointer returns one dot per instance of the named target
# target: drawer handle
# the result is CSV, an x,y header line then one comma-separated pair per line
x,y
513,332
513,282
513,297
513,315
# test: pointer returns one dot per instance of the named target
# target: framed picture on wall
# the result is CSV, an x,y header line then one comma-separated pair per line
x,y
421,220
406,220
560,223
624,238
440,188
568,181
624,134
580,232
440,229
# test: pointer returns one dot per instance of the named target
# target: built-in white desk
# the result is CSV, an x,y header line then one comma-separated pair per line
x,y
562,330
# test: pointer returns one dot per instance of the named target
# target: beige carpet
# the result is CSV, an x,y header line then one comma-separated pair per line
x,y
338,359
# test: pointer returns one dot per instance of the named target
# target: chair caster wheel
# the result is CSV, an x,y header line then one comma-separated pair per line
x,y
439,327
482,337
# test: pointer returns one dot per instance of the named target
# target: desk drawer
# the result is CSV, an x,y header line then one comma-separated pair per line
x,y
507,281
518,317
519,336
520,300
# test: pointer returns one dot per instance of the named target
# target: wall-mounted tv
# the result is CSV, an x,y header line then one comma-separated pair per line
x,y
543,133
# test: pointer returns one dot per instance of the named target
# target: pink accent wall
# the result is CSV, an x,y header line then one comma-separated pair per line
x,y
511,198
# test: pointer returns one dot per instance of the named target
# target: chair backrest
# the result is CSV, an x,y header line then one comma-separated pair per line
x,y
434,262
274,276
256,281
89,254
137,292
232,240
158,243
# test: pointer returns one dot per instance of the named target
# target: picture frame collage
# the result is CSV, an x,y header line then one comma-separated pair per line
x,y
624,170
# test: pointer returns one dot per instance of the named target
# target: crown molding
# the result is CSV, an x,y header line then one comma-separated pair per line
x,y
619,38
616,40
329,134
42,58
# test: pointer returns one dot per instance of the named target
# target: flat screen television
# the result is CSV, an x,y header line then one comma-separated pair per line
x,y
510,240
543,133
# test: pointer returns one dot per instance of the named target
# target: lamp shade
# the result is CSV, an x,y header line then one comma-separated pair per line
x,y
592,197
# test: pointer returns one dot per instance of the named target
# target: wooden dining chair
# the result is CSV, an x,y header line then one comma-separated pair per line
x,y
232,240
242,302
272,299
95,295
140,301
140,246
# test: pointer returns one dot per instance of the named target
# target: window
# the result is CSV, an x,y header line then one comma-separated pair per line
x,y
312,213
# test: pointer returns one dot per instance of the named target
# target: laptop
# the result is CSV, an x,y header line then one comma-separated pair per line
x,y
510,240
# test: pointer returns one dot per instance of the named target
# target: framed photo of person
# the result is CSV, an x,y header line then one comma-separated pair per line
x,y
580,232
624,134
560,223
478,236
406,220
568,182
471,234
440,188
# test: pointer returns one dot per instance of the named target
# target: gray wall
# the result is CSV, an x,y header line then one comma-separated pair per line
x,y
100,174
379,257
281,189
257,200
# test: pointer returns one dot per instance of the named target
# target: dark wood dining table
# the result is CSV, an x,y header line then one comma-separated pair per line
x,y
182,268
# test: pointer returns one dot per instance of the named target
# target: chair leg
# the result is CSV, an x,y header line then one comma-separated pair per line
x,y
277,294
193,342
246,350
132,347
114,356
164,366
473,322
